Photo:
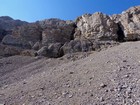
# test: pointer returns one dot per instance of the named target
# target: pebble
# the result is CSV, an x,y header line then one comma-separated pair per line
x,y
124,60
101,99
70,95
71,72
126,76
102,85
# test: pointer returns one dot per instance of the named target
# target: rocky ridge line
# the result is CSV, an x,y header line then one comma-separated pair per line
x,y
55,37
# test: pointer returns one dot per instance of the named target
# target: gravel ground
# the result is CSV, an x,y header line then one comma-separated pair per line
x,y
109,77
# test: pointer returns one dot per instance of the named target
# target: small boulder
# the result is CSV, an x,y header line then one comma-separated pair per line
x,y
42,51
54,50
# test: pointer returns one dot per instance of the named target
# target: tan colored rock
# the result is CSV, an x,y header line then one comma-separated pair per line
x,y
97,26
129,21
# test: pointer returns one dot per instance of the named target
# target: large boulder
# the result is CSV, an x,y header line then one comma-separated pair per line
x,y
51,51
129,22
77,46
54,50
96,27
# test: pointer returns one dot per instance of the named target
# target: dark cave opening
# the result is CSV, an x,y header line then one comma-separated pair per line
x,y
120,34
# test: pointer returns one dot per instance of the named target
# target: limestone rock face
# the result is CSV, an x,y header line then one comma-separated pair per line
x,y
7,23
129,21
51,22
96,27
60,34
56,31
15,41
24,36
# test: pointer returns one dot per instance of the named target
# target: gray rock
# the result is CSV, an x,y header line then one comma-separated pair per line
x,y
16,41
42,51
7,23
52,50
24,36
37,46
9,50
77,46
57,34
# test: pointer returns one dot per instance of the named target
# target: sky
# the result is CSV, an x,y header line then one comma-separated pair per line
x,y
33,10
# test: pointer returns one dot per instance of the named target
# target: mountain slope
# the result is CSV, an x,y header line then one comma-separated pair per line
x,y
109,77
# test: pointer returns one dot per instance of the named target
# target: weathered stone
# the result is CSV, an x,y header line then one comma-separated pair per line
x,y
97,26
24,36
77,46
3,33
129,22
16,41
52,22
7,23
28,53
42,51
56,31
57,35
37,46
52,50
9,50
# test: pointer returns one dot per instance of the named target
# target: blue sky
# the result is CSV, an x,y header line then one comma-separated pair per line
x,y
33,10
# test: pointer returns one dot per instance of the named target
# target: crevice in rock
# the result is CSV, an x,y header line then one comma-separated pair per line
x,y
120,33
72,35
61,51
2,34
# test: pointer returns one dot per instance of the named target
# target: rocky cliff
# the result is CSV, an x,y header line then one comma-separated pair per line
x,y
55,37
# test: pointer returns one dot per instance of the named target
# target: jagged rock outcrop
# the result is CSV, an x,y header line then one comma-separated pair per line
x,y
56,31
25,36
95,27
129,22
8,23
55,37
